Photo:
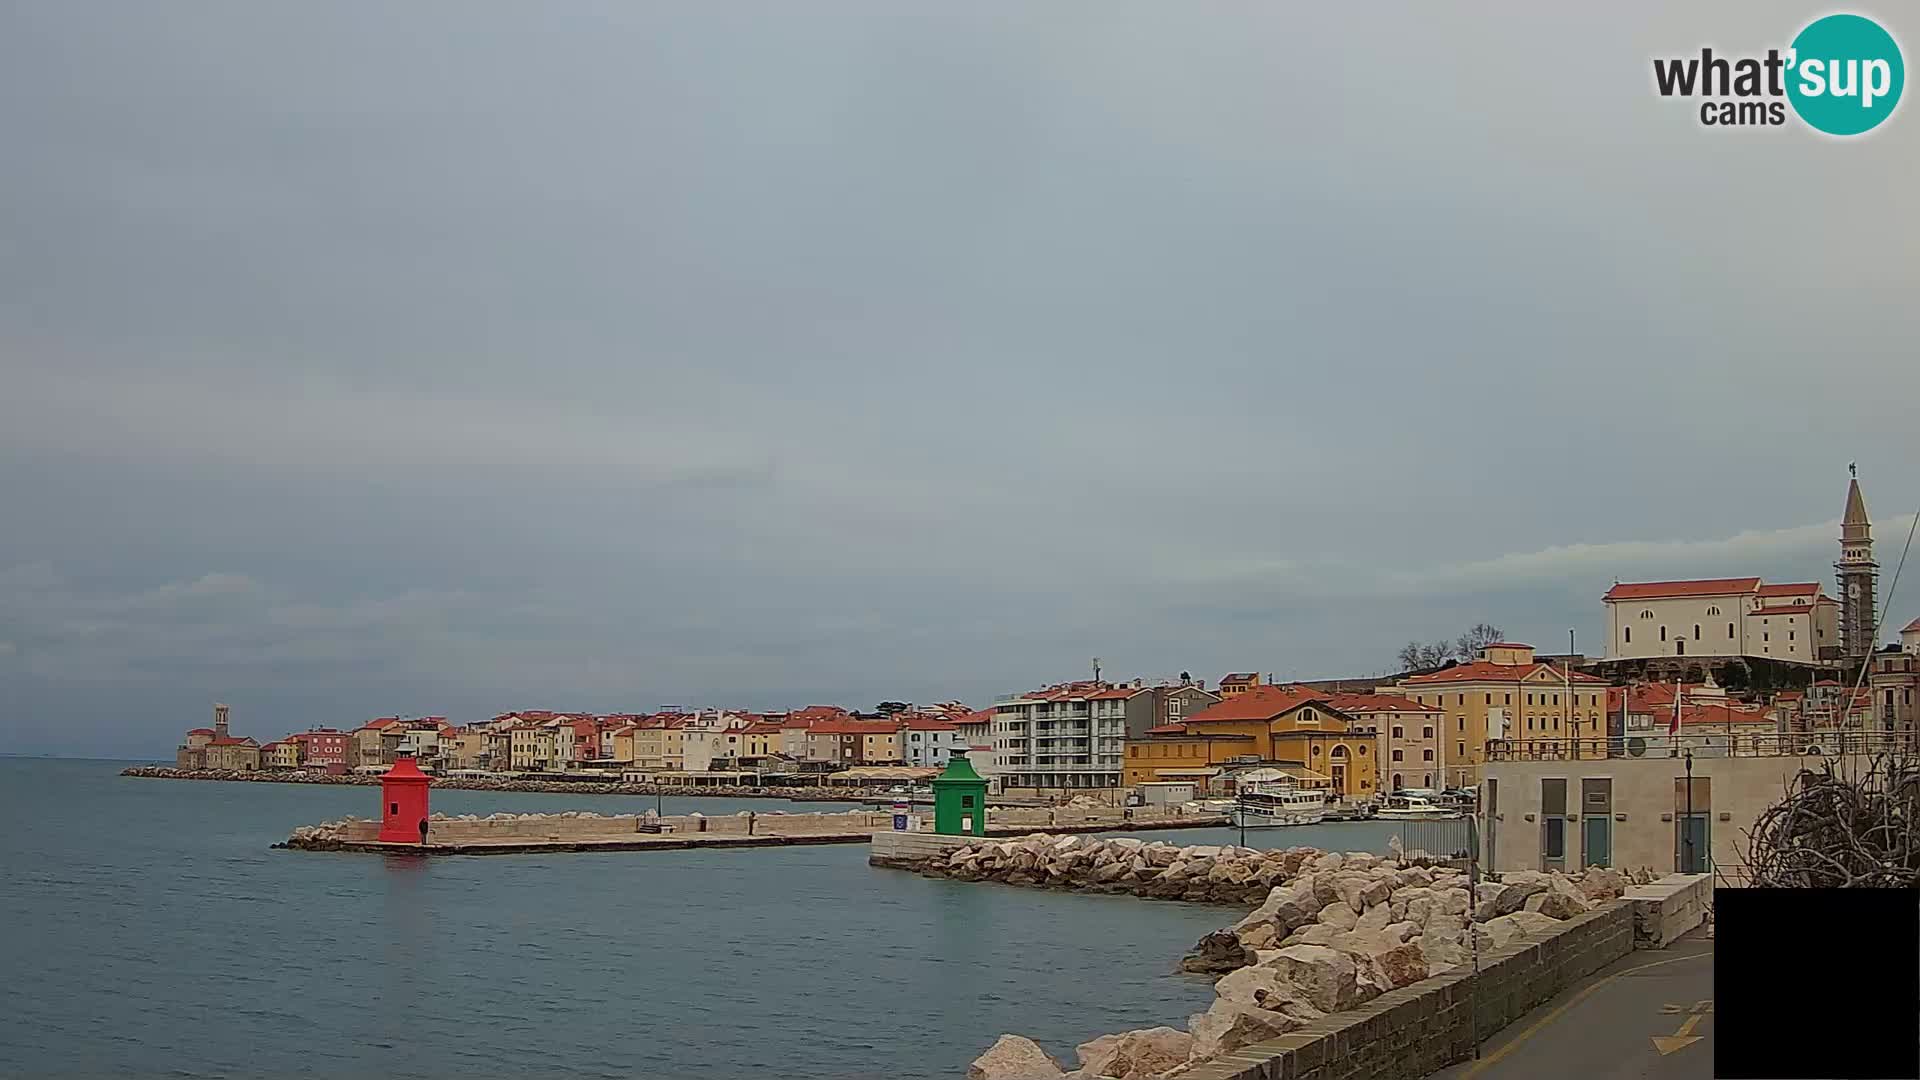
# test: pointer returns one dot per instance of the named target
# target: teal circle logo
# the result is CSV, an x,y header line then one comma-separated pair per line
x,y
1845,74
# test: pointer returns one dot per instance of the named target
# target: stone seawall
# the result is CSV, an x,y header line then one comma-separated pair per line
x,y
1337,942
1416,1030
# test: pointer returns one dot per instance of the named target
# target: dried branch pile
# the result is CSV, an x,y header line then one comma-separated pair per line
x,y
1842,829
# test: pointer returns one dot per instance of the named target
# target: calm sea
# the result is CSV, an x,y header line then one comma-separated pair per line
x,y
148,930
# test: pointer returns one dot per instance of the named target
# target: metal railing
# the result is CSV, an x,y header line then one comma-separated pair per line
x,y
1440,839
1817,743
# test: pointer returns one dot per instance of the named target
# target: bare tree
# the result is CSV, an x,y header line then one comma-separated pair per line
x,y
1415,655
1477,637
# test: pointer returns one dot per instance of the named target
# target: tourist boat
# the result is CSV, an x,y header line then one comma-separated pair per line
x,y
1413,807
1262,806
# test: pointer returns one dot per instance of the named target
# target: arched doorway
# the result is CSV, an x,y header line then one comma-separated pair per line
x,y
1397,785
1337,768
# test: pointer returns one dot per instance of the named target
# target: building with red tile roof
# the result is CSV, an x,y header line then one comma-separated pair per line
x,y
1721,619
1507,695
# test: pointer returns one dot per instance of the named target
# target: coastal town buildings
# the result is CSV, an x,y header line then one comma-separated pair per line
x,y
1233,684
217,747
1072,736
1506,695
1407,739
929,742
1894,688
323,748
1290,728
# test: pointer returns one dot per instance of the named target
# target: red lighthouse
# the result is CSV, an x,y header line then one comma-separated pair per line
x,y
403,802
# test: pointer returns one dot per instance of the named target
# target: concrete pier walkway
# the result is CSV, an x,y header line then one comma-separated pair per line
x,y
1647,1015
685,840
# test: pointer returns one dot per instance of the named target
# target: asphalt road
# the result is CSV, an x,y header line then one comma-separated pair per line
x,y
1649,1014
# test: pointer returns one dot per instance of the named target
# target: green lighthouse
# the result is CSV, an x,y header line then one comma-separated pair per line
x,y
960,799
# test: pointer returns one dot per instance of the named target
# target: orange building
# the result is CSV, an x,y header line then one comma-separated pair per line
x,y
1291,727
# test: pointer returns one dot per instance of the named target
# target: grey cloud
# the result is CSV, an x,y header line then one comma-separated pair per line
x,y
611,354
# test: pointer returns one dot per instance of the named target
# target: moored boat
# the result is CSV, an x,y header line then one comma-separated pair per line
x,y
1413,807
1263,806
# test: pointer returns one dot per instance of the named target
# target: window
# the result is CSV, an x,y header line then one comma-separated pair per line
x,y
1397,755
1763,635
1713,611
1696,631
1426,733
1729,631
1460,724
1629,632
1460,750
1789,635
1647,613
1509,700
1489,699
1426,755
1397,731
1663,633
1363,750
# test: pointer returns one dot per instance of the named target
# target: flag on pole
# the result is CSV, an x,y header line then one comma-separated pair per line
x,y
1673,728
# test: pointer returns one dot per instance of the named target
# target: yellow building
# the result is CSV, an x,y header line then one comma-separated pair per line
x,y
660,745
761,739
1507,695
280,755
1265,725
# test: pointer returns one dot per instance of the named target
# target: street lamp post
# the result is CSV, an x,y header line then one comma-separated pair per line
x,y
1686,827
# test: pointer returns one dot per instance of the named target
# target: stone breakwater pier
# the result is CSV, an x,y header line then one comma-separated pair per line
x,y
518,834
1351,965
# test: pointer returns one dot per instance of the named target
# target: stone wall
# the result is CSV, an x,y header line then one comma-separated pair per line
x,y
1668,908
1416,1030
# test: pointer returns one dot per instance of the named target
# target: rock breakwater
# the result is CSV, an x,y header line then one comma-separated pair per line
x,y
1332,931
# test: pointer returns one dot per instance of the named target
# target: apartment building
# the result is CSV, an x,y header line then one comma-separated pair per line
x,y
1073,736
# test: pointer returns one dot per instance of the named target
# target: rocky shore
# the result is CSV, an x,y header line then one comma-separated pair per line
x,y
1331,932
481,783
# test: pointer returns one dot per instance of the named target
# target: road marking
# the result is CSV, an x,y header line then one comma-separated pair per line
x,y
1679,1040
1479,1066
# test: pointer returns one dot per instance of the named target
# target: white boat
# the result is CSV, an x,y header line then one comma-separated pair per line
x,y
1405,807
1265,806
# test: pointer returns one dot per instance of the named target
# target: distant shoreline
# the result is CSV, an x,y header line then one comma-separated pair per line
x,y
547,787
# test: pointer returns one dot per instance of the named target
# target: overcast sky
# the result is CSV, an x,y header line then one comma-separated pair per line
x,y
456,357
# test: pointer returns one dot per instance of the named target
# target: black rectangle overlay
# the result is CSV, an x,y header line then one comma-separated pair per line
x,y
1816,983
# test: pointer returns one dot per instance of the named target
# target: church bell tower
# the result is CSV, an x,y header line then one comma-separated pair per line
x,y
1858,576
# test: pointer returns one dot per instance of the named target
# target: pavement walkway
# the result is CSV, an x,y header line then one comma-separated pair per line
x,y
1647,1015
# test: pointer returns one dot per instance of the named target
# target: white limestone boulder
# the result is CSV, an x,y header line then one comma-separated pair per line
x,y
1014,1057
1135,1055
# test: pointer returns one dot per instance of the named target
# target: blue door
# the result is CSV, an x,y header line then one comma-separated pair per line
x,y
1597,830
